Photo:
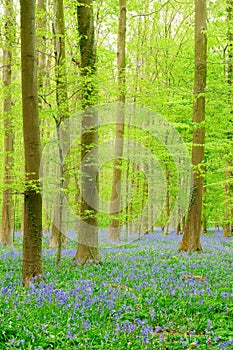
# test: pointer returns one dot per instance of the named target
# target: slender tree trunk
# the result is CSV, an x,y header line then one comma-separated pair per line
x,y
227,227
145,206
183,223
137,200
152,206
88,250
127,194
22,216
62,128
41,45
41,32
167,204
43,64
115,206
178,228
167,170
7,200
227,190
204,214
192,232
32,239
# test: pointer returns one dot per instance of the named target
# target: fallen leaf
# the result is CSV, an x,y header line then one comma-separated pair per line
x,y
200,278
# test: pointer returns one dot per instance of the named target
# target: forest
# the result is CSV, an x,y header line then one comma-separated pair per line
x,y
116,225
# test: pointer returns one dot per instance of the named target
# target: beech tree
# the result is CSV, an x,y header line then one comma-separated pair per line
x,y
115,206
229,173
62,127
61,119
7,200
41,44
42,73
193,226
32,239
88,229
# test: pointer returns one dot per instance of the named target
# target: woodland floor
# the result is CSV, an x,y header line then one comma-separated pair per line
x,y
144,295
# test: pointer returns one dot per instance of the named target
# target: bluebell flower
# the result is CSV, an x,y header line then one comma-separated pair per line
x,y
87,324
70,335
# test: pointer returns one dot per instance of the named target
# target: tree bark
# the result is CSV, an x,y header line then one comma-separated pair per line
x,y
227,227
145,206
88,250
32,266
57,235
192,232
41,45
227,192
43,64
178,228
7,200
167,203
115,206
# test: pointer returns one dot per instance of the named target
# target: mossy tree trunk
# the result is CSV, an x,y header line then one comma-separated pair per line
x,y
87,250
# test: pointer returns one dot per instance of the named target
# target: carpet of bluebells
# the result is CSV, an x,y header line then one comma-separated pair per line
x,y
145,295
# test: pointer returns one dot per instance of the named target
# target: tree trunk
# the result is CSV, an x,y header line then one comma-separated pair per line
x,y
145,206
41,46
192,232
88,250
88,227
136,200
115,206
204,210
183,223
167,204
227,190
7,200
57,235
32,266
127,194
41,75
178,228
227,227
205,230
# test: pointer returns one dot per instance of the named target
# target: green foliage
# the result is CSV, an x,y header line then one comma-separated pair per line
x,y
159,75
